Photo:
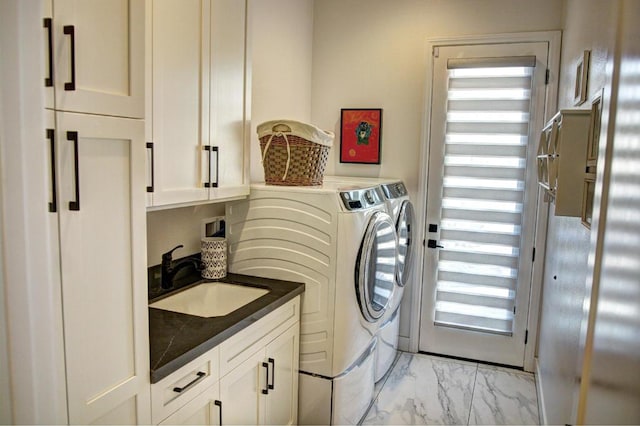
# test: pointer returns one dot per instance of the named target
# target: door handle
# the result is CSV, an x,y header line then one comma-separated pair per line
x,y
219,405
48,24
433,244
73,137
273,374
53,205
71,32
150,147
210,149
266,391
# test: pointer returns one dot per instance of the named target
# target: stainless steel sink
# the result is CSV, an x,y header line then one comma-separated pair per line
x,y
210,299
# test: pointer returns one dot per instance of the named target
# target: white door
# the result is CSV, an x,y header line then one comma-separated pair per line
x,y
228,171
281,403
178,102
102,258
487,103
98,56
242,390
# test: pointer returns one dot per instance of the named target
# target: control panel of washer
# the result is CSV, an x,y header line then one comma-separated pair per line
x,y
358,199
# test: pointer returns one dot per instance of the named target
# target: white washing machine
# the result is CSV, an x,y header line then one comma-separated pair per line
x,y
340,241
400,208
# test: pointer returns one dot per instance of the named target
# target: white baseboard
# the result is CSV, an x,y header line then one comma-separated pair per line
x,y
542,413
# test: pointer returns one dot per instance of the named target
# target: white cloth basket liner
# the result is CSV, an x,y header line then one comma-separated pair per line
x,y
296,128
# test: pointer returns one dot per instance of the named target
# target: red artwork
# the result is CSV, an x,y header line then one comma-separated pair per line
x,y
360,132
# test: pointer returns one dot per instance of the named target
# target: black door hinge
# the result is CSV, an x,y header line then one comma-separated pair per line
x,y
533,256
546,76
526,336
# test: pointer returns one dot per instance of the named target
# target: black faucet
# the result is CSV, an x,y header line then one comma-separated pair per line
x,y
168,272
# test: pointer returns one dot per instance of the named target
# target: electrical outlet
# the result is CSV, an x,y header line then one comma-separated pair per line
x,y
210,226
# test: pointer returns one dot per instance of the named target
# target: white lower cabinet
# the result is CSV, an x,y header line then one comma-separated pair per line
x,y
251,378
264,388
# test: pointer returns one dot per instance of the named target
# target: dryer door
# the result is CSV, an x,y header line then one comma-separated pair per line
x,y
376,266
404,229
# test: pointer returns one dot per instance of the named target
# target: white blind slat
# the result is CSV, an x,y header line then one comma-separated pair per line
x,y
502,61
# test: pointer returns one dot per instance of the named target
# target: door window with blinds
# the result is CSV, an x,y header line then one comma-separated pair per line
x,y
486,100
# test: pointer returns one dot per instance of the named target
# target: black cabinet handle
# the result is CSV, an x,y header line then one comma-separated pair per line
x,y
266,391
216,150
48,24
73,136
210,149
150,146
273,374
207,148
53,205
71,32
219,404
201,375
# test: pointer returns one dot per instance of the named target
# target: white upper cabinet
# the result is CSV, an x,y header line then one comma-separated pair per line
x,y
196,101
96,60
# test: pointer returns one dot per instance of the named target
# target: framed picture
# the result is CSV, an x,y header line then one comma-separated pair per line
x,y
582,78
594,131
360,135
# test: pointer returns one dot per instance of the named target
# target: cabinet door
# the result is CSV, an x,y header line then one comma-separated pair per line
x,y
99,56
47,50
229,95
241,392
204,409
179,99
103,267
281,404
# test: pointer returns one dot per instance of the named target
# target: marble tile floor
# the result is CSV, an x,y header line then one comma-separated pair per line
x,y
425,390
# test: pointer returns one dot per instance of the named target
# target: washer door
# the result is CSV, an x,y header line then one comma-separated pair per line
x,y
404,227
376,266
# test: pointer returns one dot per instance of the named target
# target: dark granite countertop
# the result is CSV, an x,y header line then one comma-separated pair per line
x,y
175,338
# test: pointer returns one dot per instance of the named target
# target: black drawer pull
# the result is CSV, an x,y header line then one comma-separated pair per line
x,y
201,375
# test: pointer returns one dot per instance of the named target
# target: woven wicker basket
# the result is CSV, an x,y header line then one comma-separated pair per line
x,y
293,153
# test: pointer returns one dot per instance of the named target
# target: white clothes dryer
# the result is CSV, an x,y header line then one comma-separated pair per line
x,y
339,240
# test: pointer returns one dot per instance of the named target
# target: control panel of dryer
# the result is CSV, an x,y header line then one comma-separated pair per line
x,y
394,190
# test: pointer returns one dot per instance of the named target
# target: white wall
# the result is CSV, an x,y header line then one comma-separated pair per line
x,y
371,54
169,228
611,377
282,42
587,25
